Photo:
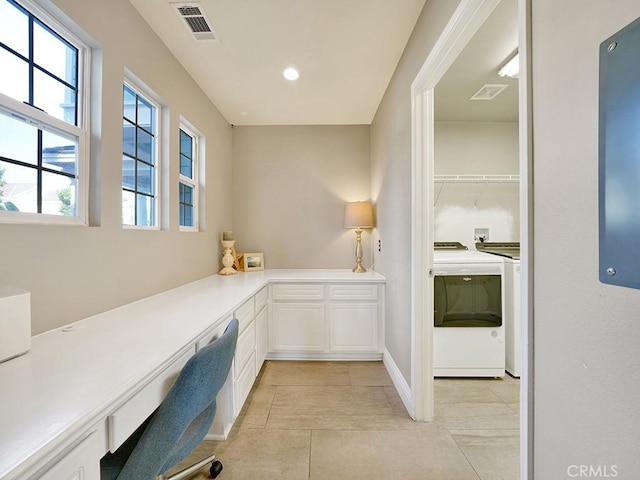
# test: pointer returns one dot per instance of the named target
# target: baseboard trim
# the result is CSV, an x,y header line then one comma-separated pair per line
x,y
219,431
401,385
322,356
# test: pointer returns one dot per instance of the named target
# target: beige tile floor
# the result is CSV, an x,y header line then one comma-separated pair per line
x,y
344,420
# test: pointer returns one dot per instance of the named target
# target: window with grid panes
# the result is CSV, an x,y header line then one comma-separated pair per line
x,y
43,128
188,179
139,159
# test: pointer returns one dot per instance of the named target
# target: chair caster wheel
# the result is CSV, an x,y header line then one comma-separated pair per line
x,y
216,468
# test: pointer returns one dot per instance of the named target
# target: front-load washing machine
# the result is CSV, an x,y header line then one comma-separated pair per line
x,y
469,302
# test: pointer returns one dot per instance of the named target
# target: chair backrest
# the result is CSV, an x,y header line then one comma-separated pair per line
x,y
185,415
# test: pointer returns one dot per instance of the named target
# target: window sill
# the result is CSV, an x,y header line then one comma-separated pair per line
x,y
25,218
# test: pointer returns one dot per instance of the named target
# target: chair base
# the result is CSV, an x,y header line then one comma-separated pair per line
x,y
195,467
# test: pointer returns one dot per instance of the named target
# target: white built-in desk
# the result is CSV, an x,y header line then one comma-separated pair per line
x,y
84,387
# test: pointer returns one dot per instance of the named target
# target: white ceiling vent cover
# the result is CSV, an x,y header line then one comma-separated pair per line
x,y
195,21
489,91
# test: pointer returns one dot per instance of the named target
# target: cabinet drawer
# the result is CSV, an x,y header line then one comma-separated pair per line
x,y
353,292
300,291
83,462
245,347
124,421
213,334
245,313
261,299
242,385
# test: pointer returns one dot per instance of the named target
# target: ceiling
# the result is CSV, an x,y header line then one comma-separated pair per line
x,y
345,51
478,64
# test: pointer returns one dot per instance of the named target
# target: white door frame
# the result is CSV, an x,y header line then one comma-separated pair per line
x,y
465,22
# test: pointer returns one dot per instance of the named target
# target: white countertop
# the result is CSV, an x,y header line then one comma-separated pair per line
x,y
75,375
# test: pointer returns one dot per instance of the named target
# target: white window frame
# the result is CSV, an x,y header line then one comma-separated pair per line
x,y
142,90
195,181
44,121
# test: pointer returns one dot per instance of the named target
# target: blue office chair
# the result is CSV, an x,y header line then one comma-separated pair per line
x,y
182,420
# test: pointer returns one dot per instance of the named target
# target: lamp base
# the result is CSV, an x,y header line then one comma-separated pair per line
x,y
359,269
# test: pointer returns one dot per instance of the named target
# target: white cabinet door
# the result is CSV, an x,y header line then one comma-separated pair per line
x,y
81,463
242,385
245,348
353,327
262,338
297,327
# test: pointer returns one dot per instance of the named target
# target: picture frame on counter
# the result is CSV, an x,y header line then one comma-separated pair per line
x,y
252,262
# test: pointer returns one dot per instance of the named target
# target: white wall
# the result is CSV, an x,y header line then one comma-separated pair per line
x,y
73,272
480,148
587,361
290,186
461,208
391,180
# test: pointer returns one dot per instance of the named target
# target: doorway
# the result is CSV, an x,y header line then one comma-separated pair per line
x,y
466,21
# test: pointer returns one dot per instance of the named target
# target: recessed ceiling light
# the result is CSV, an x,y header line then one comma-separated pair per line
x,y
290,73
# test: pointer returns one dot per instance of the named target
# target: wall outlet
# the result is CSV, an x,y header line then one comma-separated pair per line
x,y
480,235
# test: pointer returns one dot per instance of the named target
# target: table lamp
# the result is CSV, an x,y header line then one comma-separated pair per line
x,y
358,215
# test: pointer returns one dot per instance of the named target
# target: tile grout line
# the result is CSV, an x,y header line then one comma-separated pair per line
x,y
355,377
275,392
310,446
464,455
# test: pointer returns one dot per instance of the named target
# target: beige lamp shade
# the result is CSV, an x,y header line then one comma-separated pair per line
x,y
358,215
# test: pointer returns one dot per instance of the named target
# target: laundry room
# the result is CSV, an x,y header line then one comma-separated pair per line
x,y
476,206
476,190
477,342
476,148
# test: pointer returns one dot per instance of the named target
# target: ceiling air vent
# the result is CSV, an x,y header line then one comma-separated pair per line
x,y
195,21
489,91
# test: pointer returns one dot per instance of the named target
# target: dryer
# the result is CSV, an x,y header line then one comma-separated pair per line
x,y
510,253
469,301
